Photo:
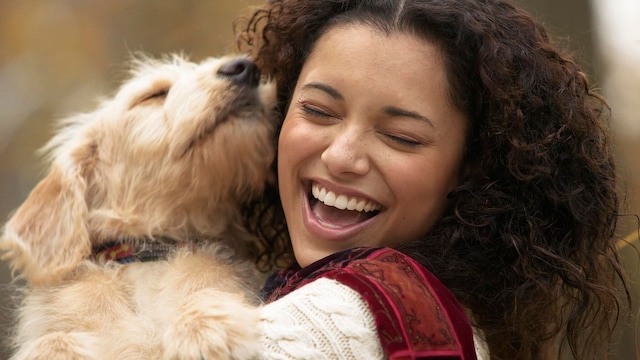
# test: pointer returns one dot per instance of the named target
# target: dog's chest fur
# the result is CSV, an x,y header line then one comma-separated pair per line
x,y
146,301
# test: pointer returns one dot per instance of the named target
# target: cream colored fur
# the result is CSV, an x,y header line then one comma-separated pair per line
x,y
147,164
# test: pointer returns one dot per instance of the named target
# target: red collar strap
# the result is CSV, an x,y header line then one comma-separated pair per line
x,y
129,250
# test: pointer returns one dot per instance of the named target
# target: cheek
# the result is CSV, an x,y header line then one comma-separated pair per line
x,y
422,179
287,156
296,143
423,187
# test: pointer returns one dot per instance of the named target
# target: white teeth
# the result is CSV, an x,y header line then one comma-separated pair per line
x,y
323,193
330,199
351,205
342,202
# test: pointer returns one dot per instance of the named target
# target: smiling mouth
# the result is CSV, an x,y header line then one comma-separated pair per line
x,y
338,210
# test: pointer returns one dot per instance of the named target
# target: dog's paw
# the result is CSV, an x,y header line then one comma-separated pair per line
x,y
59,346
214,325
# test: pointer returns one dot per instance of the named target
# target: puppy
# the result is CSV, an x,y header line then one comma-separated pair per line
x,y
133,246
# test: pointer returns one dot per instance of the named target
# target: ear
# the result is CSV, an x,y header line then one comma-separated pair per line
x,y
47,237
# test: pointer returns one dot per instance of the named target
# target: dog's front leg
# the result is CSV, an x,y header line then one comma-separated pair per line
x,y
205,308
72,319
213,325
60,346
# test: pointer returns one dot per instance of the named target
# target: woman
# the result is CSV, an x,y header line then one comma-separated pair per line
x,y
457,134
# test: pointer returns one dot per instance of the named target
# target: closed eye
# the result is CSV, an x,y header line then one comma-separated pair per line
x,y
319,115
156,95
404,141
157,90
151,97
313,111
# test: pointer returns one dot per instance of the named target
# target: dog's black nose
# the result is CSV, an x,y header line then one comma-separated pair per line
x,y
242,71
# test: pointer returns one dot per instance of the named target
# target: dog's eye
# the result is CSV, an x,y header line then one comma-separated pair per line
x,y
150,97
156,95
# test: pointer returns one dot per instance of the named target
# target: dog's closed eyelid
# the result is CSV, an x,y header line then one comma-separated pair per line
x,y
157,89
156,94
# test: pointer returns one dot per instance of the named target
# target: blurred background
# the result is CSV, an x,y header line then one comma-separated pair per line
x,y
58,57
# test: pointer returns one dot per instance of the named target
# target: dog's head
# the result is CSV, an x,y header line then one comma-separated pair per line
x,y
174,153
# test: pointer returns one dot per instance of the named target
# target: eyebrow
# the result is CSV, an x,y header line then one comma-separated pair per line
x,y
395,111
325,88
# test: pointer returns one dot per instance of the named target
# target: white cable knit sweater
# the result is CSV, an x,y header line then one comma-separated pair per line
x,y
324,320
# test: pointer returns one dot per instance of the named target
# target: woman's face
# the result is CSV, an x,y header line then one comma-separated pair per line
x,y
370,146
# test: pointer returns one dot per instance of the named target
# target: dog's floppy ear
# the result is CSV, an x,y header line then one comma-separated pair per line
x,y
47,237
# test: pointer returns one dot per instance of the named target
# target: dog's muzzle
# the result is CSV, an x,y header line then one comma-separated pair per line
x,y
241,71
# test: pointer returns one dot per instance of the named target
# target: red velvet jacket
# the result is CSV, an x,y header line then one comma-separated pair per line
x,y
416,316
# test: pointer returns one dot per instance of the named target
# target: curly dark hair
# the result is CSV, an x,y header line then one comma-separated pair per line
x,y
528,242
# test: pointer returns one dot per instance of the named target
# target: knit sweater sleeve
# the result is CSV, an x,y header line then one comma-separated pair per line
x,y
326,320
322,320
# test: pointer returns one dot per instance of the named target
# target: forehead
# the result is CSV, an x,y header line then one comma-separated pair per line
x,y
407,42
356,47
392,62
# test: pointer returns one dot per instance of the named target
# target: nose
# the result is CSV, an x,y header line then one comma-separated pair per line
x,y
241,71
347,154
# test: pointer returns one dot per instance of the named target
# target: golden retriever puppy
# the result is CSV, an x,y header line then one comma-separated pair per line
x,y
133,246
